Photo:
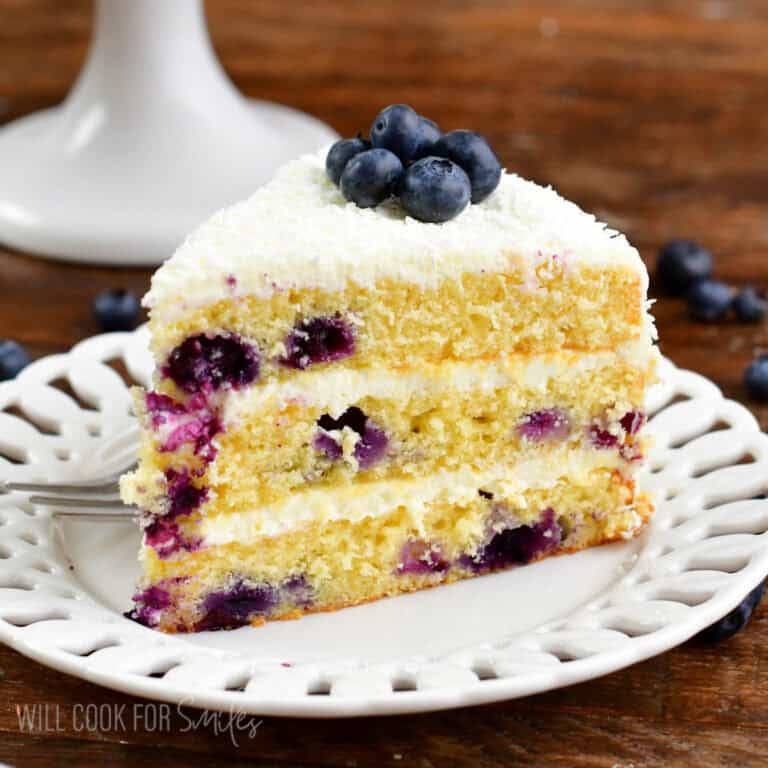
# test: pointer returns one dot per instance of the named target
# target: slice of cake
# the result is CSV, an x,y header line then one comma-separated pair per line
x,y
350,402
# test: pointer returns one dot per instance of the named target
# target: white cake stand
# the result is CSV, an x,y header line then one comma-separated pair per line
x,y
151,140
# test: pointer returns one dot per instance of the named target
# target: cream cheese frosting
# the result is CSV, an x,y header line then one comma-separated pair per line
x,y
335,389
298,231
356,502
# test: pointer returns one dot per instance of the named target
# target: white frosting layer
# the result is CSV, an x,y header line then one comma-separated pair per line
x,y
335,388
356,502
298,231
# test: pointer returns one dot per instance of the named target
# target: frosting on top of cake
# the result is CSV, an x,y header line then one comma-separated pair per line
x,y
298,231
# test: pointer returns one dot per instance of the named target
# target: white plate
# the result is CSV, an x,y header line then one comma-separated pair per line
x,y
567,619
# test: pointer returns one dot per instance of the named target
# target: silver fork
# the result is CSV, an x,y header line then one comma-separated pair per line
x,y
97,499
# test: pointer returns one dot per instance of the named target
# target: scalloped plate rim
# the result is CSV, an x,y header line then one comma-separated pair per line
x,y
570,672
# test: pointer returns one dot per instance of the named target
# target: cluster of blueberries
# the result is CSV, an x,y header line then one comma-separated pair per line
x,y
684,268
434,175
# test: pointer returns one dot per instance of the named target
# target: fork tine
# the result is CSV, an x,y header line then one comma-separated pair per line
x,y
64,488
108,484
127,514
81,502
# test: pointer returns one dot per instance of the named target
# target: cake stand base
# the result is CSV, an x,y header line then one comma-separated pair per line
x,y
152,139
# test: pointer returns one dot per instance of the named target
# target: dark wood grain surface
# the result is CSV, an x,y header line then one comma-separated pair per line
x,y
652,115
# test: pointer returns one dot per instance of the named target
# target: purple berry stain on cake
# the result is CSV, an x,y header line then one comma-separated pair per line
x,y
369,449
198,431
318,340
420,557
602,438
632,422
547,424
162,408
162,533
236,606
148,605
518,545
629,425
297,591
183,496
166,538
207,363
325,444
243,602
180,424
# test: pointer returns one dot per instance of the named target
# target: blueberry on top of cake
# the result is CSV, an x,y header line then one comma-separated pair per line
x,y
361,393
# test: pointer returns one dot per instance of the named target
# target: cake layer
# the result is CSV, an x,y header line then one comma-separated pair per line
x,y
395,324
341,562
195,519
336,428
296,276
299,233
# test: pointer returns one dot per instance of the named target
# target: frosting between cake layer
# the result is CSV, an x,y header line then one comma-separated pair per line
x,y
336,388
299,232
356,502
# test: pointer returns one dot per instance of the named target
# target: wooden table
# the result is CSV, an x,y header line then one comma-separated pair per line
x,y
650,114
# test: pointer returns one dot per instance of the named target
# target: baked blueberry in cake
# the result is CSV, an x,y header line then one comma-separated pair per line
x,y
379,375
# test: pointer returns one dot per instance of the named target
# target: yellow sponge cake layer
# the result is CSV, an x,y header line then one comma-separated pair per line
x,y
342,563
334,428
479,316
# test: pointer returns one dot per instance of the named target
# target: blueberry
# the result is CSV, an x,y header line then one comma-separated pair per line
x,y
205,363
434,189
13,357
708,300
318,340
149,604
183,496
429,134
340,154
682,263
370,177
116,310
236,606
473,153
370,448
518,545
736,620
401,130
756,379
420,557
749,305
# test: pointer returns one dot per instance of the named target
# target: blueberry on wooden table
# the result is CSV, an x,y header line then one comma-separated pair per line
x,y
116,310
13,358
749,305
756,379
708,300
682,263
736,620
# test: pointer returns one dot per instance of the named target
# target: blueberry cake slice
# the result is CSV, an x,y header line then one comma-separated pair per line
x,y
350,402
